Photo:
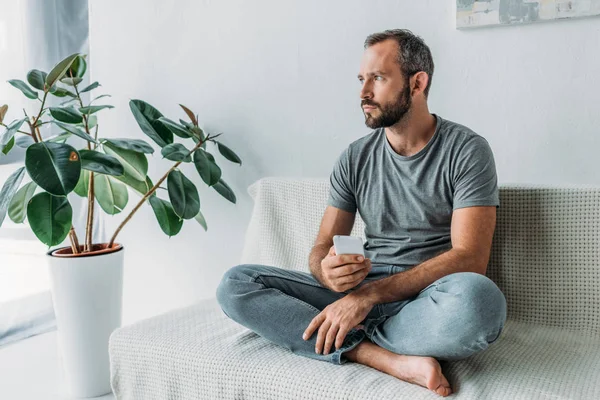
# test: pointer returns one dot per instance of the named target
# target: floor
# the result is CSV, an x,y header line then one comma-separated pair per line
x,y
29,370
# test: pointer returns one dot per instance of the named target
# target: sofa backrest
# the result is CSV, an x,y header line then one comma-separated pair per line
x,y
545,252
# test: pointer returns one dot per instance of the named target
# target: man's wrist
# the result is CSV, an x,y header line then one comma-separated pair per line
x,y
368,293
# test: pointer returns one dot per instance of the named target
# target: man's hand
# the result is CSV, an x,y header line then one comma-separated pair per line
x,y
336,320
344,271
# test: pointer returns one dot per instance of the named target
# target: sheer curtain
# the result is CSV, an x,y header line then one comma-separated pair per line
x,y
34,34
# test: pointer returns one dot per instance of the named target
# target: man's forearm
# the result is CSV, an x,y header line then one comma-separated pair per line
x,y
409,283
317,254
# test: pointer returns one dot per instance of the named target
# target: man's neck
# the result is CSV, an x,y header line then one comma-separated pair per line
x,y
412,133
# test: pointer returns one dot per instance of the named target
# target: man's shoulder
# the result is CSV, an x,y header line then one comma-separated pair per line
x,y
365,141
458,136
456,130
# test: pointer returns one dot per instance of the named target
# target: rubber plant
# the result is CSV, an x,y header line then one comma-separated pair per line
x,y
106,167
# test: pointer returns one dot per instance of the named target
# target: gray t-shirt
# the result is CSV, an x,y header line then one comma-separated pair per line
x,y
406,202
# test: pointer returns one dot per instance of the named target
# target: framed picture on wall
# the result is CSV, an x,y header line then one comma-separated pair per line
x,y
477,13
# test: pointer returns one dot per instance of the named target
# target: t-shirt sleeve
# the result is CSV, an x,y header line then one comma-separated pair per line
x,y
341,194
475,180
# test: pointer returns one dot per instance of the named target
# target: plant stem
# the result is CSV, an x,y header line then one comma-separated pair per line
x,y
41,109
33,135
90,219
74,241
138,205
37,129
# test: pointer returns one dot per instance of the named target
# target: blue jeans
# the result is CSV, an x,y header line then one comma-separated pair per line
x,y
456,316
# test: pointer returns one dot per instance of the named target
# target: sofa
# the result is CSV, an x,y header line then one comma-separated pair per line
x,y
545,259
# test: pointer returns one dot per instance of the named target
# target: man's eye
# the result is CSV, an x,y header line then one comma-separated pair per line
x,y
378,76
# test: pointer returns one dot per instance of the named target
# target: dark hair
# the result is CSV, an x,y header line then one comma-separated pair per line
x,y
413,53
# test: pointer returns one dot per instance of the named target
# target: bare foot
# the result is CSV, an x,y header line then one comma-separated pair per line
x,y
424,371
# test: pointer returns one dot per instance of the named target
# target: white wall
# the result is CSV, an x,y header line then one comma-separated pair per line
x,y
279,79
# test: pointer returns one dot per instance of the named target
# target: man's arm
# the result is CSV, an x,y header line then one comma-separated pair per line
x,y
472,229
335,222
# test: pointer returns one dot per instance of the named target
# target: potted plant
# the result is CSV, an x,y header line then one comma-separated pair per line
x,y
86,277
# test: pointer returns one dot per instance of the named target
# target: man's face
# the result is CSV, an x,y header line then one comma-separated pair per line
x,y
383,86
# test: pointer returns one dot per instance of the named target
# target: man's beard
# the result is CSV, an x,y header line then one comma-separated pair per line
x,y
390,114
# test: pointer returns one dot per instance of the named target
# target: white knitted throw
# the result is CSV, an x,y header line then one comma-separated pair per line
x,y
545,258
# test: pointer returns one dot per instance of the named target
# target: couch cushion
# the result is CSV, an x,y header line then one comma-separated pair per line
x,y
197,352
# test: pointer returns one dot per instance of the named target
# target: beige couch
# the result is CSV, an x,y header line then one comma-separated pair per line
x,y
545,258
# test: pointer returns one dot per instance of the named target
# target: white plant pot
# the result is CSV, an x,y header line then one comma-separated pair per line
x,y
87,297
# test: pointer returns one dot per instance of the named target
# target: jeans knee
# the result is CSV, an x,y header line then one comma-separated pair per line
x,y
479,305
227,286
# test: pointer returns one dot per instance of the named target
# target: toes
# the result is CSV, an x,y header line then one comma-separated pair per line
x,y
443,391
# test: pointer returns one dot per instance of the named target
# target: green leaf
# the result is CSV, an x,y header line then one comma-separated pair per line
x,y
10,131
58,138
183,195
23,87
141,187
71,81
37,78
100,97
196,140
102,163
208,170
78,67
197,132
8,147
150,185
175,128
147,118
169,222
81,189
59,70
66,114
228,153
111,194
186,124
61,92
92,121
90,87
135,164
136,145
8,191
93,109
176,152
224,190
24,141
75,131
55,167
200,218
17,209
50,218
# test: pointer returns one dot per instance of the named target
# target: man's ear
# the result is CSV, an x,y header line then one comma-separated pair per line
x,y
418,83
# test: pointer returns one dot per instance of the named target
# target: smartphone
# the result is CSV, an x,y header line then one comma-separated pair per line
x,y
348,245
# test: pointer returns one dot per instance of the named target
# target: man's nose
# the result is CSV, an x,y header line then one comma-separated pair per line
x,y
366,93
